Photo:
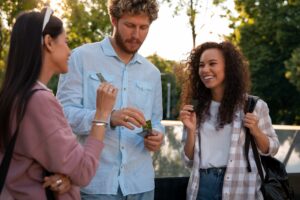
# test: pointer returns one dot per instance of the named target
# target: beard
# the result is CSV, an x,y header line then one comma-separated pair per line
x,y
121,42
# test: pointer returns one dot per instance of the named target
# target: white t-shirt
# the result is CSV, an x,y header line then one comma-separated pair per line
x,y
214,144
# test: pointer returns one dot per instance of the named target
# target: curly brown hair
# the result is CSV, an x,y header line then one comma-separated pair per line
x,y
117,8
236,82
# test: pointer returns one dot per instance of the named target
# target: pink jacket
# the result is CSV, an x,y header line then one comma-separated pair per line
x,y
46,141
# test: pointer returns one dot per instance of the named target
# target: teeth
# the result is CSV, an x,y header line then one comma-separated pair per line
x,y
207,77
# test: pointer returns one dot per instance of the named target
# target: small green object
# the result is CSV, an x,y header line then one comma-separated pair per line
x,y
148,126
101,77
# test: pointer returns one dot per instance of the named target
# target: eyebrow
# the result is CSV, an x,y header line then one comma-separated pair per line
x,y
209,60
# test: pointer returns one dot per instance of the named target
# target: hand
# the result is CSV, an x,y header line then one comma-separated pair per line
x,y
251,122
127,117
153,141
106,98
58,183
188,118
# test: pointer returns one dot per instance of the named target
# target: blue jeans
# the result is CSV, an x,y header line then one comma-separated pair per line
x,y
119,196
211,184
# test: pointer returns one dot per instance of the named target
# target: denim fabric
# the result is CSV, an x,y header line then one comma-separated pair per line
x,y
211,184
119,196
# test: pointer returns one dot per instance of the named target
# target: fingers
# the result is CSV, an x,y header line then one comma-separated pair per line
x,y
134,116
251,120
186,112
57,183
106,98
128,117
153,142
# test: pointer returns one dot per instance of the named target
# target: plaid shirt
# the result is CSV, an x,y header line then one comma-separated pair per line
x,y
239,184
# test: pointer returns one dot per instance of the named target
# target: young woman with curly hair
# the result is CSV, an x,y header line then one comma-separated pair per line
x,y
214,133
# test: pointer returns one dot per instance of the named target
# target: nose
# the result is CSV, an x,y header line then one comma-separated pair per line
x,y
136,32
203,69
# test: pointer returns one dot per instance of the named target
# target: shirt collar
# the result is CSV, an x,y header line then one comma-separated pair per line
x,y
43,85
108,50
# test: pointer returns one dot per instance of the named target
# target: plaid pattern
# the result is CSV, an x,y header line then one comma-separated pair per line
x,y
239,184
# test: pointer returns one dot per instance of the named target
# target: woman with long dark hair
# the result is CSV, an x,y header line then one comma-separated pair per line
x,y
214,126
38,50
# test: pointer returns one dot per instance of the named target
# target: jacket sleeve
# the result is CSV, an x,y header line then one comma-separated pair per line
x,y
50,141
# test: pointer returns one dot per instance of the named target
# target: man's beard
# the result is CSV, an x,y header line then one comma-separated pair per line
x,y
121,44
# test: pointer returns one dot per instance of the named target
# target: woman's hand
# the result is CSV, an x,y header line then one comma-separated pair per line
x,y
106,98
188,118
58,183
262,141
251,122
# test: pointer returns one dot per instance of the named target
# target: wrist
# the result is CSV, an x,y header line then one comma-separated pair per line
x,y
101,116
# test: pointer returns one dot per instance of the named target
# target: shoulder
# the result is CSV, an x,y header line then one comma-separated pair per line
x,y
148,65
42,96
261,106
86,48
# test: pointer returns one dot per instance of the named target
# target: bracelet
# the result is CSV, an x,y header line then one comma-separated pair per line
x,y
99,123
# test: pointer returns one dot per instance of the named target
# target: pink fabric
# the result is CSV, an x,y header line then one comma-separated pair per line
x,y
46,141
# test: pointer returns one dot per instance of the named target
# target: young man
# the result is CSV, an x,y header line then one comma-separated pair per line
x,y
126,169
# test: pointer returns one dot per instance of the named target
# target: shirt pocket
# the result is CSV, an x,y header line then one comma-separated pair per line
x,y
91,85
143,97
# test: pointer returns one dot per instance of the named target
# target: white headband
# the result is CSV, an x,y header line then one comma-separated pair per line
x,y
47,16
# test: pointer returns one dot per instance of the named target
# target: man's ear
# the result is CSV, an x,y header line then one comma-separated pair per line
x,y
48,43
113,21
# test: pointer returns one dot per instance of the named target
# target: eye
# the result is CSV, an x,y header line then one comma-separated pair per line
x,y
129,25
144,27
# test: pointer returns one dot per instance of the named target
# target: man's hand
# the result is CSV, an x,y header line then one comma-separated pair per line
x,y
127,117
154,141
58,183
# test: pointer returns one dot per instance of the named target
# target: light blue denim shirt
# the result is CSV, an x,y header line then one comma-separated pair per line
x,y
125,161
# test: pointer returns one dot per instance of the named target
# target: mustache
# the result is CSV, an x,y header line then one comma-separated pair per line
x,y
133,40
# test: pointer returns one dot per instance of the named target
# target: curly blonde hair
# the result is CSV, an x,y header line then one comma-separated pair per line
x,y
117,8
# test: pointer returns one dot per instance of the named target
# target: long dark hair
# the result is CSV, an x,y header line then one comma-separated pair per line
x,y
237,83
23,66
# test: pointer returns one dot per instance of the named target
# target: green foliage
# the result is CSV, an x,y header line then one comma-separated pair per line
x,y
87,21
293,68
268,32
168,71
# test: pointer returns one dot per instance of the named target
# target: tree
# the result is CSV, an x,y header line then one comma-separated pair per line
x,y
192,9
9,11
169,71
293,68
86,21
267,33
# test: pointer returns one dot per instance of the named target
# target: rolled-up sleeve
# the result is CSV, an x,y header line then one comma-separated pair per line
x,y
265,125
188,163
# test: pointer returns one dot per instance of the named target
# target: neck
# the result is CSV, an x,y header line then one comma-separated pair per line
x,y
217,95
124,56
46,74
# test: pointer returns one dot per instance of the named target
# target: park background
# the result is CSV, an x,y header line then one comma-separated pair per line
x,y
267,32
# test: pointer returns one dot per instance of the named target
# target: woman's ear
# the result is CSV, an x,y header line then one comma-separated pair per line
x,y
48,43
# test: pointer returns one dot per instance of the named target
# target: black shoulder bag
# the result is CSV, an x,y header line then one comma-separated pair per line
x,y
275,185
10,148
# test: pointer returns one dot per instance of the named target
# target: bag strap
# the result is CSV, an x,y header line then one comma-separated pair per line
x,y
252,100
10,148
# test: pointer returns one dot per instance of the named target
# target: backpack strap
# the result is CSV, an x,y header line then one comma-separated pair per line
x,y
10,148
251,102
